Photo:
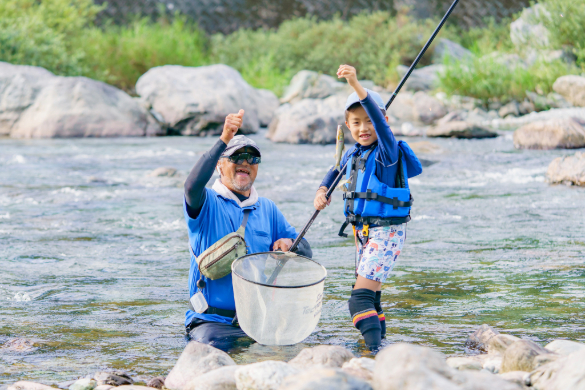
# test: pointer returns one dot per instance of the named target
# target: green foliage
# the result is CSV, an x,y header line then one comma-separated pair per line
x,y
37,33
119,55
566,25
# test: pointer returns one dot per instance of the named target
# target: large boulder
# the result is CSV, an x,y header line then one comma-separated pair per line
x,y
427,108
322,355
312,121
479,339
308,84
324,378
421,79
36,104
267,103
567,347
520,355
572,88
455,51
566,133
26,385
219,379
267,375
196,359
528,29
569,170
460,129
195,101
567,372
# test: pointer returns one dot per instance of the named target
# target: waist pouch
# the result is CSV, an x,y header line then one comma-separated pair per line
x,y
216,261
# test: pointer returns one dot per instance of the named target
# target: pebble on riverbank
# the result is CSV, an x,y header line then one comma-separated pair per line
x,y
509,364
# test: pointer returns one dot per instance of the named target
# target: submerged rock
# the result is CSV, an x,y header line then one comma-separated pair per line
x,y
460,129
220,379
567,347
567,133
195,101
36,104
196,359
324,379
520,355
26,385
572,88
157,382
567,372
322,355
267,375
479,339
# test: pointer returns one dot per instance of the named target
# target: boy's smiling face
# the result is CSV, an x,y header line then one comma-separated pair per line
x,y
361,127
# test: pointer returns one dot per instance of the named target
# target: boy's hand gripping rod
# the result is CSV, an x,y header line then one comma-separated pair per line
x,y
332,188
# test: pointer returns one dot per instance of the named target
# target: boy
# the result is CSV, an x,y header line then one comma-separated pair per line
x,y
377,202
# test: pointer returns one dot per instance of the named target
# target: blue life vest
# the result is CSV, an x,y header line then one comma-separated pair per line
x,y
370,201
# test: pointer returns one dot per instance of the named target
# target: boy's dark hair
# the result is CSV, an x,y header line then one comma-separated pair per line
x,y
356,105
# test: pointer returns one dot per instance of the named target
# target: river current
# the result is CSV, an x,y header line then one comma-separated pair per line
x,y
94,257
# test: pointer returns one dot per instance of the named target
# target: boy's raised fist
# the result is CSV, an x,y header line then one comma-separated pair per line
x,y
349,73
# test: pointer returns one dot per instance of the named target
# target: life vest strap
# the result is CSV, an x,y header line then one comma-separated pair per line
x,y
369,195
378,221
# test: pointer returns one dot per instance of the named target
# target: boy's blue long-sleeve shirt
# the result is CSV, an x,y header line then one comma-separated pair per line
x,y
386,154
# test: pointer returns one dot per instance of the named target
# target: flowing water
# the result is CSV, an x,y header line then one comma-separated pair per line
x,y
94,256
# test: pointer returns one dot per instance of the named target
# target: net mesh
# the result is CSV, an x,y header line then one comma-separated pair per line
x,y
278,296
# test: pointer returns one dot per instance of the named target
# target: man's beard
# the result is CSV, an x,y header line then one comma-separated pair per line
x,y
241,188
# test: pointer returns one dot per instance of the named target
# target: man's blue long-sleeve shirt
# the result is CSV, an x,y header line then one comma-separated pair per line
x,y
386,154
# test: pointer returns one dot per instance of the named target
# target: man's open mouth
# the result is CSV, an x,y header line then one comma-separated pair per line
x,y
242,171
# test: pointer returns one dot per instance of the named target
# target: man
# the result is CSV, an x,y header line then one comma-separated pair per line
x,y
213,213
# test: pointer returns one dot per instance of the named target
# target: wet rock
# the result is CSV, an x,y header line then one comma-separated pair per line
x,y
116,378
322,355
157,382
37,104
528,30
455,51
221,379
196,359
493,364
511,108
19,345
427,108
518,377
324,379
567,133
163,172
308,84
421,79
26,385
103,387
479,339
267,375
460,129
519,356
312,121
567,372
267,103
362,368
572,88
499,343
463,363
541,360
195,101
566,347
84,384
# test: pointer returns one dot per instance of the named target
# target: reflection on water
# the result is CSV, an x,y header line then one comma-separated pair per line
x,y
100,250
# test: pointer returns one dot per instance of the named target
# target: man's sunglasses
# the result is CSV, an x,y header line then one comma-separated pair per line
x,y
240,158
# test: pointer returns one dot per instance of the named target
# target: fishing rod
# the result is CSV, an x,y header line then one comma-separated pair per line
x,y
332,188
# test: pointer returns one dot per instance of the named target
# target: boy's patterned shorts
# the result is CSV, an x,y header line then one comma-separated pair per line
x,y
380,253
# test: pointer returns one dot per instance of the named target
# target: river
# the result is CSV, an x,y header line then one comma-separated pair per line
x,y
94,255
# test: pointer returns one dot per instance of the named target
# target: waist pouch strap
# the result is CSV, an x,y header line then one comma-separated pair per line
x,y
220,312
369,195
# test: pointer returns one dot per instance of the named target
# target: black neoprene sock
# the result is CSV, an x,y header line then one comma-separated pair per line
x,y
365,317
381,317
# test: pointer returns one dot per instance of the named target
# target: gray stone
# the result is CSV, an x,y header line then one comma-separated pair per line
x,y
195,101
163,172
421,79
83,384
566,347
511,108
311,121
407,129
196,359
267,103
27,385
541,360
555,113
453,116
134,387
267,375
482,380
322,355
519,356
526,107
116,378
567,372
324,379
460,129
464,363
221,379
157,382
362,368
528,29
103,387
567,133
499,343
518,377
36,104
479,339
308,84
493,364
455,51
426,147
427,108
572,88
